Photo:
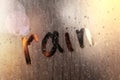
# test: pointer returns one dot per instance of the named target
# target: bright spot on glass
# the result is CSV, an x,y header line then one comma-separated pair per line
x,y
17,22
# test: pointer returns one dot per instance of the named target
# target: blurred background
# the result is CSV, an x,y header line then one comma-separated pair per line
x,y
20,18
